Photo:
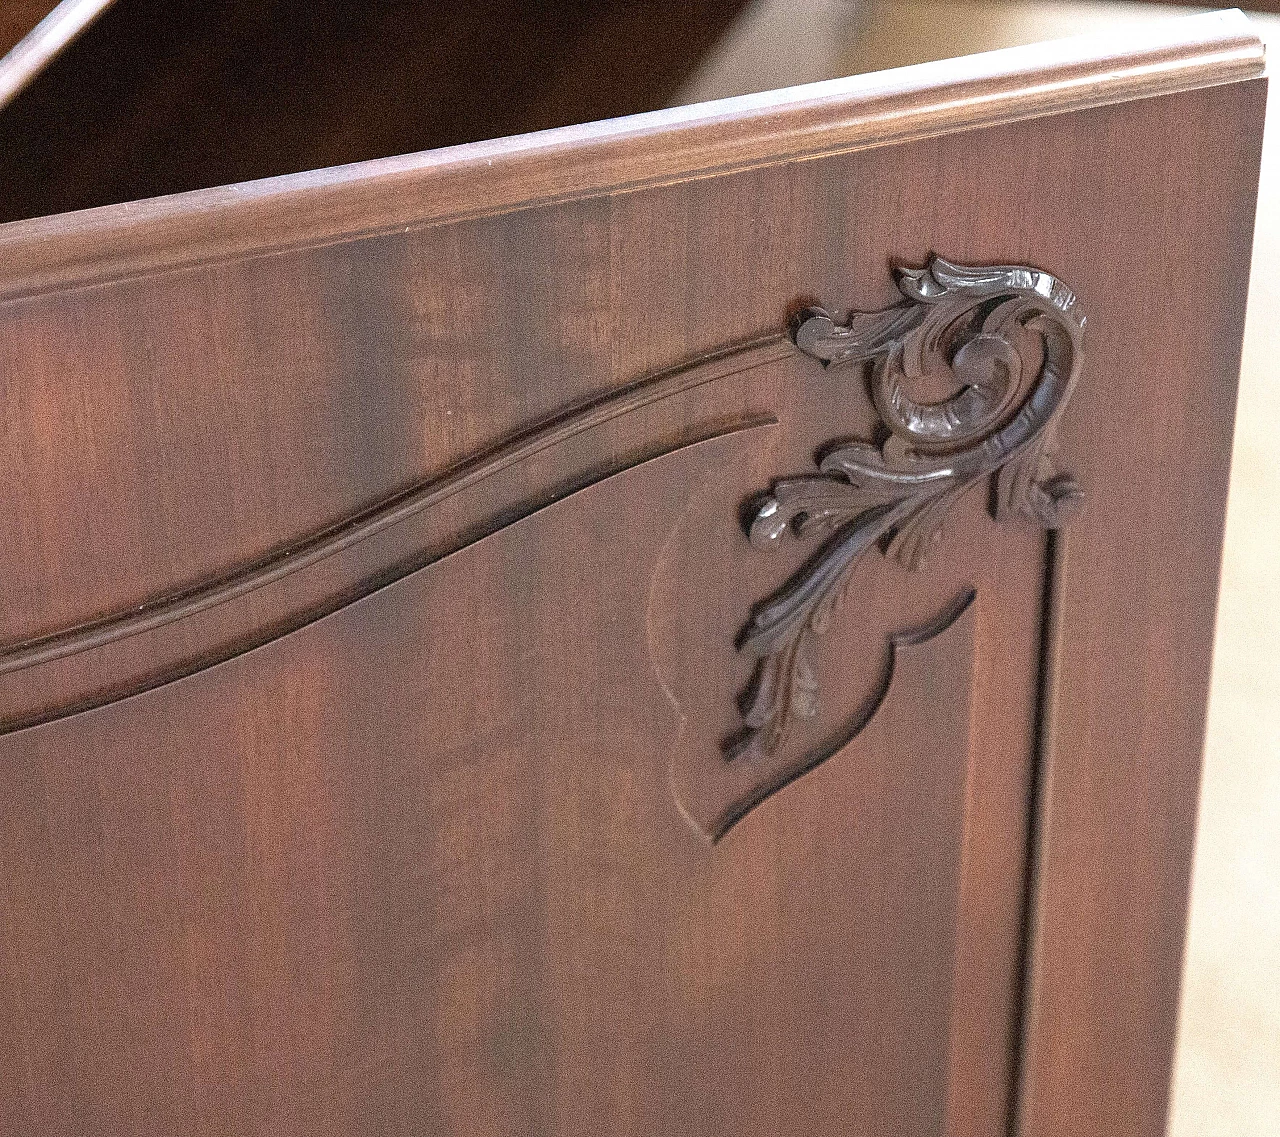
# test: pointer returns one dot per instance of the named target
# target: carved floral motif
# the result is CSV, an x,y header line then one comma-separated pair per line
x,y
1009,338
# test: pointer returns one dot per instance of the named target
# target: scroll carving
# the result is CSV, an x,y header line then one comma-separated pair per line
x,y
1009,338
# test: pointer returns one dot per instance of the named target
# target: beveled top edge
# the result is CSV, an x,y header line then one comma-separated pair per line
x,y
475,179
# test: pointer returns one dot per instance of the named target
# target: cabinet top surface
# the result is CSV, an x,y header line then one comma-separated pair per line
x,y
660,147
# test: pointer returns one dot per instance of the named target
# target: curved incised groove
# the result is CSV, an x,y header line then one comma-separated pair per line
x,y
317,546
931,633
700,442
1009,338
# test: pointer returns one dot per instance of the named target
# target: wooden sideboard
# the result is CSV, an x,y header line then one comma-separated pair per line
x,y
696,623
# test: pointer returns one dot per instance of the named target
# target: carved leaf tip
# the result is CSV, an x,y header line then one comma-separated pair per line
x,y
1058,501
919,283
769,525
783,688
804,698
810,328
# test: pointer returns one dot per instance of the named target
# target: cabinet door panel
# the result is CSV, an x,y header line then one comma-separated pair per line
x,y
426,855
481,653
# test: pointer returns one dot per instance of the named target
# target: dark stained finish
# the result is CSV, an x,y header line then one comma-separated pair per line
x,y
604,159
158,96
1004,344
533,467
391,524
18,18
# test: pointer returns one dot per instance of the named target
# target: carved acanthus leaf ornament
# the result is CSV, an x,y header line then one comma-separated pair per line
x,y
1009,338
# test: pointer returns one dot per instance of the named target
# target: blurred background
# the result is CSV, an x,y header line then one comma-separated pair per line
x,y
181,123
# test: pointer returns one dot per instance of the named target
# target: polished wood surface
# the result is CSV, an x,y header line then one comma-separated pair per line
x,y
487,178
411,839
158,96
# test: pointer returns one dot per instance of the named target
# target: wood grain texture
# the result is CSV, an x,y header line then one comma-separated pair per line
x,y
294,581
160,96
462,182
431,855
378,903
1139,589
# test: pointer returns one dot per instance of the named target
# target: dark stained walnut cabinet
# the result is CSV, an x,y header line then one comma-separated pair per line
x,y
697,623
